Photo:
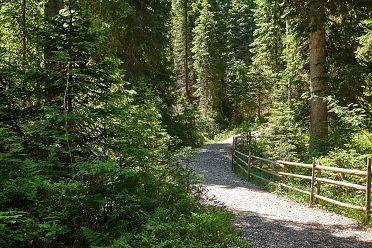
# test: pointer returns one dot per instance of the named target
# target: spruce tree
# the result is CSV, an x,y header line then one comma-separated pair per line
x,y
332,44
267,51
182,25
67,156
318,106
240,26
209,51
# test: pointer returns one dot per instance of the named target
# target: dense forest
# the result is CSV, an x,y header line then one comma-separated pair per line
x,y
97,97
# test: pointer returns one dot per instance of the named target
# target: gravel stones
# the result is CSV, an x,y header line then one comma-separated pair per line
x,y
266,219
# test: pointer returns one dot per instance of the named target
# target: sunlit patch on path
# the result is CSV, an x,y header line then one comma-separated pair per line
x,y
268,220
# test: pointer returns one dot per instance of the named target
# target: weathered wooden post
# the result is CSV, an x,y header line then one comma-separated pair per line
x,y
318,183
368,191
250,139
313,181
233,153
249,166
283,178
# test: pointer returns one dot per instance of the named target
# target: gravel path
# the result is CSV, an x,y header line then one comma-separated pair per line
x,y
267,220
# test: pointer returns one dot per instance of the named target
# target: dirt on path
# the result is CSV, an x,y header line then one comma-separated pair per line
x,y
268,220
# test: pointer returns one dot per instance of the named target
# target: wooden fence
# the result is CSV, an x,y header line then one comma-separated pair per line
x,y
249,161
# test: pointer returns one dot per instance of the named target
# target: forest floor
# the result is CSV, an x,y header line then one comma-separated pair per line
x,y
266,219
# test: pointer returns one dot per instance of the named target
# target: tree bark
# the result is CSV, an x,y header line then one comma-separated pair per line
x,y
52,7
318,107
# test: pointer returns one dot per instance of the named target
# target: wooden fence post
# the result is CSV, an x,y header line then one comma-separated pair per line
x,y
249,139
368,191
283,178
318,183
313,180
249,166
233,153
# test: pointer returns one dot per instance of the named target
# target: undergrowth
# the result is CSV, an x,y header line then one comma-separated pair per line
x,y
86,163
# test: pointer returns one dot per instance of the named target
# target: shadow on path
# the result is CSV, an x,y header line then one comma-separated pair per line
x,y
265,232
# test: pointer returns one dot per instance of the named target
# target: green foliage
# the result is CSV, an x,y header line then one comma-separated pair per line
x,y
346,121
364,50
138,33
188,126
241,91
84,158
282,63
240,28
203,31
239,100
267,46
172,228
353,156
346,74
345,158
281,137
14,31
182,26
267,49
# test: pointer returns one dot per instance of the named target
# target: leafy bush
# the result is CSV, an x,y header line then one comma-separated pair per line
x,y
102,202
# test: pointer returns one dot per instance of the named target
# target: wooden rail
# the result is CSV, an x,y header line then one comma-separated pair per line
x,y
249,162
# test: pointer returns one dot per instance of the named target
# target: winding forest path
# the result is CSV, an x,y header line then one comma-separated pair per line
x,y
267,220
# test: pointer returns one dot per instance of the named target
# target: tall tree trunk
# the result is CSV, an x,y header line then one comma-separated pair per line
x,y
318,107
52,7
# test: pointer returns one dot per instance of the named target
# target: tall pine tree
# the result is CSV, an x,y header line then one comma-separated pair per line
x,y
182,26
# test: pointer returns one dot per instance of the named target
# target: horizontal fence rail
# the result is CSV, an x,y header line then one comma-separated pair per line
x,y
248,162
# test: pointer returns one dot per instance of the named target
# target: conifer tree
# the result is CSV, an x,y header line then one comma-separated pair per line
x,y
240,26
318,106
139,35
209,49
295,57
84,157
327,66
182,25
267,50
